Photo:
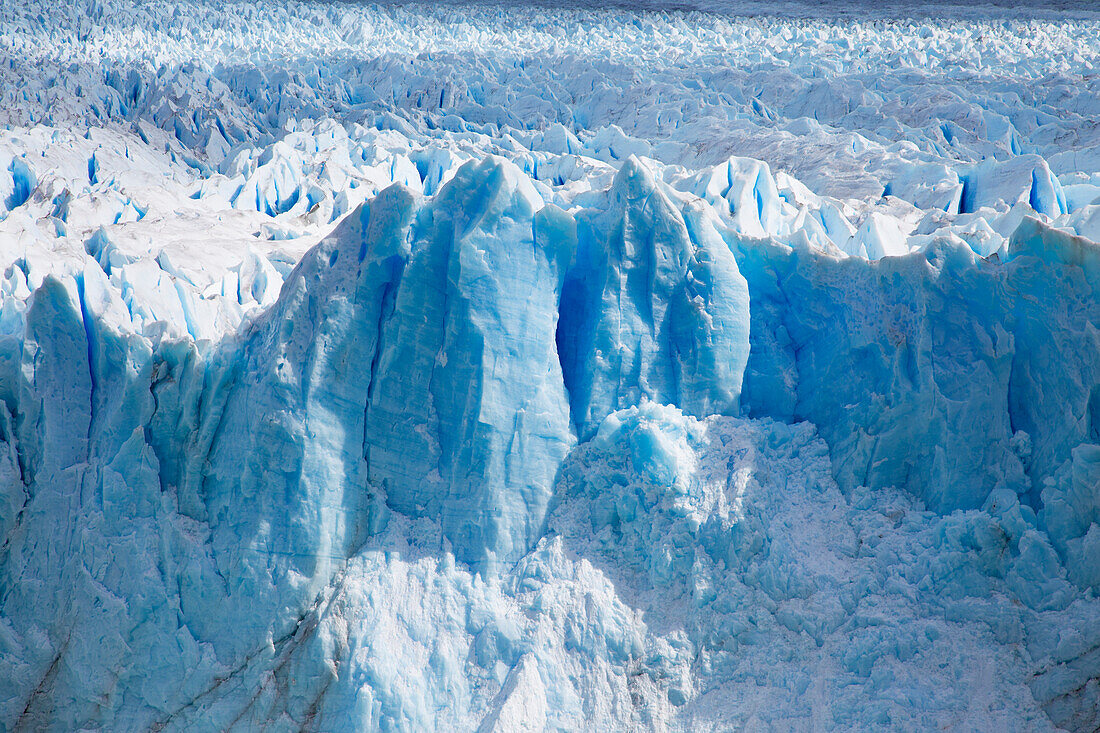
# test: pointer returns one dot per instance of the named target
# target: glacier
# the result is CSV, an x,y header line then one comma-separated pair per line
x,y
501,368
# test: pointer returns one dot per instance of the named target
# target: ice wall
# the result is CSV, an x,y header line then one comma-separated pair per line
x,y
437,358
940,371
395,368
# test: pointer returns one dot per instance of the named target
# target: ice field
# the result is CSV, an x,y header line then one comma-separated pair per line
x,y
505,368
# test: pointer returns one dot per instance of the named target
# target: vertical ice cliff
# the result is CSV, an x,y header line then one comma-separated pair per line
x,y
655,308
433,380
420,384
483,368
409,365
413,356
467,417
941,372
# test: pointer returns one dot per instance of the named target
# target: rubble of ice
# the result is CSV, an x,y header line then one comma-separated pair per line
x,y
445,367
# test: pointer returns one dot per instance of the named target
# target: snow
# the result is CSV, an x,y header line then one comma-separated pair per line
x,y
509,368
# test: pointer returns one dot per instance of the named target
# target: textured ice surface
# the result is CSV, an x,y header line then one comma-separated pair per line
x,y
499,369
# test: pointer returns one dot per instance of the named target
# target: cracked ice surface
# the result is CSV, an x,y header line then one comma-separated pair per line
x,y
503,368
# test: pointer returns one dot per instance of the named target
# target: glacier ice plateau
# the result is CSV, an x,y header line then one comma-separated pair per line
x,y
504,368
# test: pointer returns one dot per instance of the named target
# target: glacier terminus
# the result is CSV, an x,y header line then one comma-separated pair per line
x,y
506,367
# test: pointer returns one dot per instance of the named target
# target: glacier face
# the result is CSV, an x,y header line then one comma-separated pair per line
x,y
506,369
